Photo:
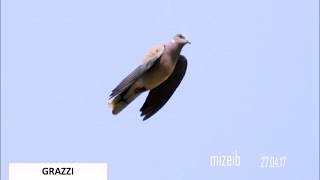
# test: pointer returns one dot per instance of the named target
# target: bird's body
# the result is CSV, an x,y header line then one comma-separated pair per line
x,y
157,68
163,68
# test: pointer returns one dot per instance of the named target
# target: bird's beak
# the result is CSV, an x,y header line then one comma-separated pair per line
x,y
188,42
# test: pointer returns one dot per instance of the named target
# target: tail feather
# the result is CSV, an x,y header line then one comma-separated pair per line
x,y
122,100
117,105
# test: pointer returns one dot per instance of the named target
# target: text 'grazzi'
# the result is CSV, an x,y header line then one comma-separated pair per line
x,y
57,171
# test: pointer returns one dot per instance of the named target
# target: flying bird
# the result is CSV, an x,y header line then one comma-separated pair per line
x,y
161,73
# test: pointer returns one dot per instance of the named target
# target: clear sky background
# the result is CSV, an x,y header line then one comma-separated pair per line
x,y
252,85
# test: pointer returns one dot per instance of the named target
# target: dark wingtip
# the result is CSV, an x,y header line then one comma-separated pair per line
x,y
145,118
144,115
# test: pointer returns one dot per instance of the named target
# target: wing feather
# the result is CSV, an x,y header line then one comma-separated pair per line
x,y
150,60
160,95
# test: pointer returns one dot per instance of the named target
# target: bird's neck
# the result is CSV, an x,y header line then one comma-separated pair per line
x,y
174,49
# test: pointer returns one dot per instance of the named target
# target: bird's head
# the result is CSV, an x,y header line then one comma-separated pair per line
x,y
180,39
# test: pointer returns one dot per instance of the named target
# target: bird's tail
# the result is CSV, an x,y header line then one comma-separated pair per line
x,y
120,101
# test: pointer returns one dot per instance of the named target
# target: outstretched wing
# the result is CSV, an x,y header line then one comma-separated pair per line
x,y
160,95
149,61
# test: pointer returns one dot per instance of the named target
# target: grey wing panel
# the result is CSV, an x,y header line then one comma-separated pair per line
x,y
133,77
160,95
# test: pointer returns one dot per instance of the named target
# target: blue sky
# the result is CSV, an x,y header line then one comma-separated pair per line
x,y
252,85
